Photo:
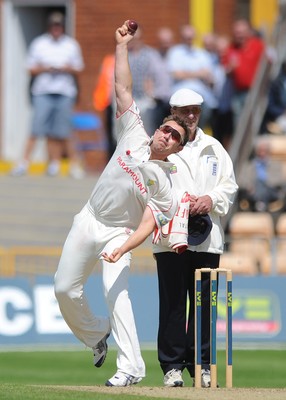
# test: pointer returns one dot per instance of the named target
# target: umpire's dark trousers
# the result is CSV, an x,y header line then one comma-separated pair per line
x,y
176,342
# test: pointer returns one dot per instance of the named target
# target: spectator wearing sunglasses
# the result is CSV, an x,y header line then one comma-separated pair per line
x,y
205,171
132,197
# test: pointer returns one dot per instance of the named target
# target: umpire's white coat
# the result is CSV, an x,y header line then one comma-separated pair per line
x,y
205,168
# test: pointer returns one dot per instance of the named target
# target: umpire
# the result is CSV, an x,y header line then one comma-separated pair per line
x,y
205,171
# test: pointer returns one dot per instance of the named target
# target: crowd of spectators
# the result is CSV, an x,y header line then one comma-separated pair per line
x,y
262,180
221,69
275,116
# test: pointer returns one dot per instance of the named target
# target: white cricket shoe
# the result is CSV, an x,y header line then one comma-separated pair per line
x,y
100,351
121,379
173,378
206,378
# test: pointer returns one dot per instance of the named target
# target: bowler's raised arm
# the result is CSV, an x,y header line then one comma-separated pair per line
x,y
123,77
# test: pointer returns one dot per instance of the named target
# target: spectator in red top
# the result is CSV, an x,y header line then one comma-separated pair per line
x,y
241,61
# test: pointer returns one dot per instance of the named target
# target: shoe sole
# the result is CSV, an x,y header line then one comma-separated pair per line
x,y
205,387
109,384
102,359
175,384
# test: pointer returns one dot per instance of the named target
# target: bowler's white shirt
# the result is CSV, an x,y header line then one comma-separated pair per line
x,y
130,182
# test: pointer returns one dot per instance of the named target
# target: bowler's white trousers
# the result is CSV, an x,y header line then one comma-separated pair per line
x,y
87,239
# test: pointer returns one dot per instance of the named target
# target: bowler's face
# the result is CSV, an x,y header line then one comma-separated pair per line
x,y
170,136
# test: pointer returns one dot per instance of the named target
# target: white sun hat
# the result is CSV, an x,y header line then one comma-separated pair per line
x,y
185,97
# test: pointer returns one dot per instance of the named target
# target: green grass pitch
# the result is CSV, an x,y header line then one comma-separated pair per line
x,y
26,375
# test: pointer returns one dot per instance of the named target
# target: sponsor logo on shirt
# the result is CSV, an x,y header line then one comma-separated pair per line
x,y
162,219
133,175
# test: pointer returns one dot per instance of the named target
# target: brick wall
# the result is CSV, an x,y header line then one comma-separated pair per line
x,y
224,14
96,22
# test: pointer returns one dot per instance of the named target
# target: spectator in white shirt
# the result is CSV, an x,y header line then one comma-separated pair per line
x,y
192,68
54,61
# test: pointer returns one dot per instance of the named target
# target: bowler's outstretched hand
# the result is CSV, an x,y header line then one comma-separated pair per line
x,y
113,257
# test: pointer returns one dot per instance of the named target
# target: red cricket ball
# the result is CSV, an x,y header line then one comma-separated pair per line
x,y
132,26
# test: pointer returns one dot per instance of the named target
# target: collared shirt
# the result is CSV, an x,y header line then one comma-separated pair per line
x,y
48,52
191,59
130,181
261,169
147,65
205,168
247,60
